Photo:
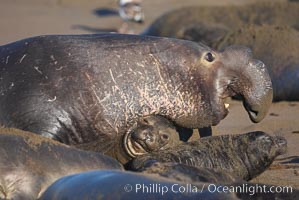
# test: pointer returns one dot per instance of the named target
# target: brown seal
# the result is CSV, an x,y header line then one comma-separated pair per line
x,y
80,88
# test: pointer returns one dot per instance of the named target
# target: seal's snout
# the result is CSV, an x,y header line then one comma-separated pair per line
x,y
259,97
259,64
281,141
281,144
250,80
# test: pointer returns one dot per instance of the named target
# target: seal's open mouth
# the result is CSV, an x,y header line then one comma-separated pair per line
x,y
224,92
132,147
253,113
225,106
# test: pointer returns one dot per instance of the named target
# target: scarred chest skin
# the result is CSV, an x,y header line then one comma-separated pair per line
x,y
77,89
79,84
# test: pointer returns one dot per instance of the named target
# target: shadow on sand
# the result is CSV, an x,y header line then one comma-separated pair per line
x,y
105,12
293,159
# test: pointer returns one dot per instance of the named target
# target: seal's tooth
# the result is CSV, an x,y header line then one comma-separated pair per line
x,y
226,105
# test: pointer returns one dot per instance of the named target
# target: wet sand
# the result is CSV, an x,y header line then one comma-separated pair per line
x,y
20,19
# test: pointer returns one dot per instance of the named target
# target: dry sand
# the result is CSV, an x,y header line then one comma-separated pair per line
x,y
25,18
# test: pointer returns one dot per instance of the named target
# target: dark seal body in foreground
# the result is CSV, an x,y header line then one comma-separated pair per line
x,y
245,155
30,163
77,89
109,184
118,185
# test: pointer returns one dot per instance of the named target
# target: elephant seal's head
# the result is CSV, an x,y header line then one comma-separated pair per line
x,y
233,72
149,134
259,150
201,80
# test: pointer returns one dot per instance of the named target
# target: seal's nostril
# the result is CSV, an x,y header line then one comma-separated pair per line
x,y
258,64
165,137
144,121
281,141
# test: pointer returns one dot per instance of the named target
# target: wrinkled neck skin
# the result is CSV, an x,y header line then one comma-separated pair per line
x,y
119,152
187,86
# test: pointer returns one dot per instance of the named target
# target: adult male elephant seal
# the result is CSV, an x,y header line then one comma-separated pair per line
x,y
77,89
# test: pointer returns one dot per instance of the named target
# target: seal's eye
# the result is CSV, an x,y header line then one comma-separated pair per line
x,y
209,57
144,121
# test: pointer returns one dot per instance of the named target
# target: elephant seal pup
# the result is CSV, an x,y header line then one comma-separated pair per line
x,y
246,155
282,60
149,134
80,88
30,163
